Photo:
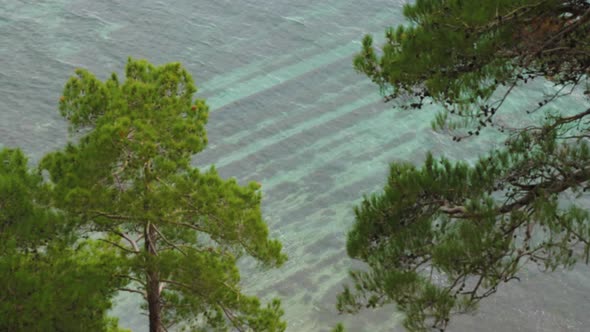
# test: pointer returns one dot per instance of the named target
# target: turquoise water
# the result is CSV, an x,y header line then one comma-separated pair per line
x,y
287,110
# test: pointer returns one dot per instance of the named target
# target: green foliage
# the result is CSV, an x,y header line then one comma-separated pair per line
x,y
459,53
48,282
338,328
441,237
442,46
179,231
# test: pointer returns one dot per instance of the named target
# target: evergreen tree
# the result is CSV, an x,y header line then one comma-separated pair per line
x,y
445,235
51,279
179,231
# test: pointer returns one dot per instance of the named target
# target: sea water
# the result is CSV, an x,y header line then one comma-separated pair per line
x,y
287,110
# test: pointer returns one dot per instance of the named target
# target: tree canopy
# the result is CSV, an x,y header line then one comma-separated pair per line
x,y
178,231
444,235
51,279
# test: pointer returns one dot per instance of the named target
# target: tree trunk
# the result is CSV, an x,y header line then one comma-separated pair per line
x,y
153,283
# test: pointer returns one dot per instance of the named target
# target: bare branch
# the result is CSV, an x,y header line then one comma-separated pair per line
x,y
130,290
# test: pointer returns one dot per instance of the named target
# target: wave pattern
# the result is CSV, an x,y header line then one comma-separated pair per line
x,y
287,110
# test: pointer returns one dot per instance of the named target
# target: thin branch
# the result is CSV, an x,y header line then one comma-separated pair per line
x,y
128,238
168,241
110,216
191,226
119,246
453,210
549,187
176,283
231,317
141,282
130,290
558,36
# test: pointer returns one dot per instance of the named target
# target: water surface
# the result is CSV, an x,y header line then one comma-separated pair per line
x,y
287,110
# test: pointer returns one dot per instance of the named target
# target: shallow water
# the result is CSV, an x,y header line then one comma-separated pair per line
x,y
289,111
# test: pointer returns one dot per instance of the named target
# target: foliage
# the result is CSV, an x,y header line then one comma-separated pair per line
x,y
445,235
47,282
179,231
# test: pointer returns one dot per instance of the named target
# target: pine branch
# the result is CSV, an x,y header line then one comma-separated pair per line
x,y
547,188
168,241
111,216
128,239
124,276
119,246
130,290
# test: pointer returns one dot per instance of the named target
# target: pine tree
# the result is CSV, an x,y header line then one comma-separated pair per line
x,y
443,236
51,278
179,231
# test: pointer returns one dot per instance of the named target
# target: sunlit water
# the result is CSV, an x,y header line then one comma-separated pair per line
x,y
287,110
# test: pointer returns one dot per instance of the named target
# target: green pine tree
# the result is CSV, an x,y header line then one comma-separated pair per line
x,y
179,231
51,279
445,235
